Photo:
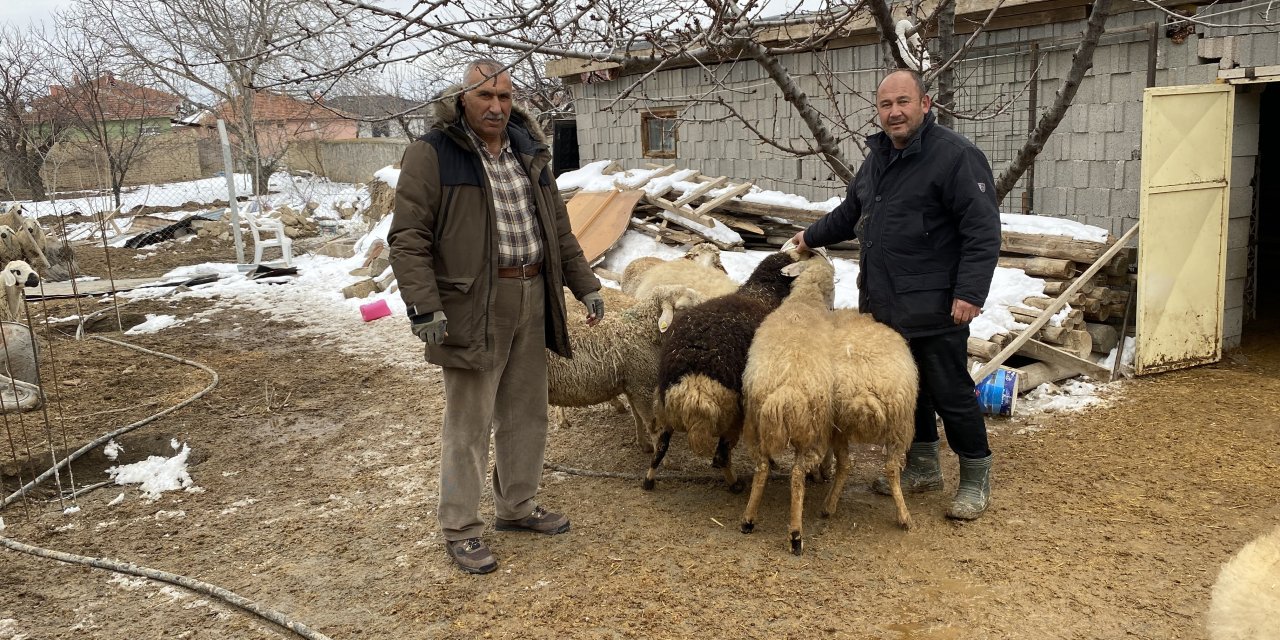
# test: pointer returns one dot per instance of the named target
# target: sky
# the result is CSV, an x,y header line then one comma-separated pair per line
x,y
21,13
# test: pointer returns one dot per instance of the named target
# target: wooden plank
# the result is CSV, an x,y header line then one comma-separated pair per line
x,y
697,192
662,171
599,218
722,198
1058,303
1041,351
683,212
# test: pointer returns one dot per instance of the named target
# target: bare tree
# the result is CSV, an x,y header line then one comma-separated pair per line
x,y
220,52
106,114
26,136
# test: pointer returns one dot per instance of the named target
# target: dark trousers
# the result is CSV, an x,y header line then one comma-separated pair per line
x,y
947,390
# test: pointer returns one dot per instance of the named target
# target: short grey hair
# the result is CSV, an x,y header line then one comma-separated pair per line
x,y
488,66
915,75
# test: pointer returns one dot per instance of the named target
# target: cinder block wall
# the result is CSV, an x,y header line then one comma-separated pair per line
x,y
1089,170
160,159
353,160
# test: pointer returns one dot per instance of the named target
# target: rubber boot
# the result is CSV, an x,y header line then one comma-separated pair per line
x,y
921,474
974,494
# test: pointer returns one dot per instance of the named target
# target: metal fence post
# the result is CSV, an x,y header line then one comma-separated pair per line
x,y
231,191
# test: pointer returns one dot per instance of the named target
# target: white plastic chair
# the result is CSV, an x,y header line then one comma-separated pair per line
x,y
267,233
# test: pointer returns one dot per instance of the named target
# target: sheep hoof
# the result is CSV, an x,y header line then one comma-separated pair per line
x,y
797,544
738,486
648,484
748,526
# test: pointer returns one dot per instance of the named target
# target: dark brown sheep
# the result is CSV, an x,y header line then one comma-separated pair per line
x,y
701,364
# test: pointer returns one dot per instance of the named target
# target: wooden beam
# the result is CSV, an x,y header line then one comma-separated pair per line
x,y
1046,353
722,198
1052,246
664,170
695,193
1058,303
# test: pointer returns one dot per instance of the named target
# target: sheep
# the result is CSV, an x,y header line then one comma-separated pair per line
x,y
619,355
700,268
17,274
874,400
700,368
787,387
614,301
19,372
1245,604
10,250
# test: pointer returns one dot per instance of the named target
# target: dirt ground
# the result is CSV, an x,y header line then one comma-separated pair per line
x,y
319,477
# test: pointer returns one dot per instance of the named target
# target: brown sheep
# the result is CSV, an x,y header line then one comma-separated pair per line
x,y
787,387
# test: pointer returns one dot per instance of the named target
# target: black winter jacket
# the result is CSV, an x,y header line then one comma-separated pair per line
x,y
928,225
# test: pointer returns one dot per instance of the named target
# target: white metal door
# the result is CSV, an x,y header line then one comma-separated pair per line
x,y
1182,250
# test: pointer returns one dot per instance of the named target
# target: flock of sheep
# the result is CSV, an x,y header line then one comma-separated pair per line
x,y
769,361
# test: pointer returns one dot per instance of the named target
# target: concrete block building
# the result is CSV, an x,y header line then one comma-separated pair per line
x,y
1091,169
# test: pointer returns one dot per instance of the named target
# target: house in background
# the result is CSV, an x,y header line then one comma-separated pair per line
x,y
108,104
385,116
281,120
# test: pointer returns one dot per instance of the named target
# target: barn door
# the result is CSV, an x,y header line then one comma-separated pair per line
x,y
1182,254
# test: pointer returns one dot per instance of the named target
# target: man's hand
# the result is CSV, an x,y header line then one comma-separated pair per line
x,y
594,303
430,328
962,312
798,239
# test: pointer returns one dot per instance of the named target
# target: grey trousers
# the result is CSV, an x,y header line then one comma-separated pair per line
x,y
508,401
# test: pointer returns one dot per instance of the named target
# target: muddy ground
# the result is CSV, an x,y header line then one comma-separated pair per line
x,y
319,478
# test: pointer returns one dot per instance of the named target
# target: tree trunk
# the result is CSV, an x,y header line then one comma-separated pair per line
x,y
1081,61
888,35
791,92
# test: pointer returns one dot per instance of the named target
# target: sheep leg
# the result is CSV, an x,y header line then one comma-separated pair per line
x,y
664,442
560,418
797,507
841,450
757,494
642,413
892,472
724,461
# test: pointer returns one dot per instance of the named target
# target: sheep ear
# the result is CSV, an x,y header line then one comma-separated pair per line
x,y
792,270
10,279
664,321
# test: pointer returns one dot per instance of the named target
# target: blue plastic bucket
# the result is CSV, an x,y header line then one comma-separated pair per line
x,y
998,393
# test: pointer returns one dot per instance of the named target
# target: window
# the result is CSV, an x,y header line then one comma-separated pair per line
x,y
658,134
382,129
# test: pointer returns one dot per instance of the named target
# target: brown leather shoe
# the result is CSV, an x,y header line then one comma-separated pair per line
x,y
471,555
540,521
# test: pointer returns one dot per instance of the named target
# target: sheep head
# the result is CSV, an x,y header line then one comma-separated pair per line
x,y
813,271
705,254
19,273
9,247
672,298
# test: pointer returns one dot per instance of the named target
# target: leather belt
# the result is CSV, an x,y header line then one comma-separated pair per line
x,y
527,271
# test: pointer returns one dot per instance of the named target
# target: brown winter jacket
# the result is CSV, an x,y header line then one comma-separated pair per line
x,y
443,241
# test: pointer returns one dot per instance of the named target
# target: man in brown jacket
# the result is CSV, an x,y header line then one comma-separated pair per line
x,y
480,240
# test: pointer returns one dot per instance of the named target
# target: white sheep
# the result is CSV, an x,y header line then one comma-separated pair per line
x,y
618,356
17,274
874,400
700,269
1246,597
787,387
10,249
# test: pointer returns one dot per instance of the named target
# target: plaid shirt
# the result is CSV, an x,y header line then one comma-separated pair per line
x,y
519,242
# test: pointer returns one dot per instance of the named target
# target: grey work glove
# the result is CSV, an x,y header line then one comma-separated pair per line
x,y
430,328
594,303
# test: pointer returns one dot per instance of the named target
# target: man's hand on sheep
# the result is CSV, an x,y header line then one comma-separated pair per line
x,y
962,312
798,241
594,303
430,328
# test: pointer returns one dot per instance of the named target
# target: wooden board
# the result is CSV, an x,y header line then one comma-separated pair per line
x,y
599,218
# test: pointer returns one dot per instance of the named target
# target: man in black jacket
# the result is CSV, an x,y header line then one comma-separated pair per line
x,y
923,207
